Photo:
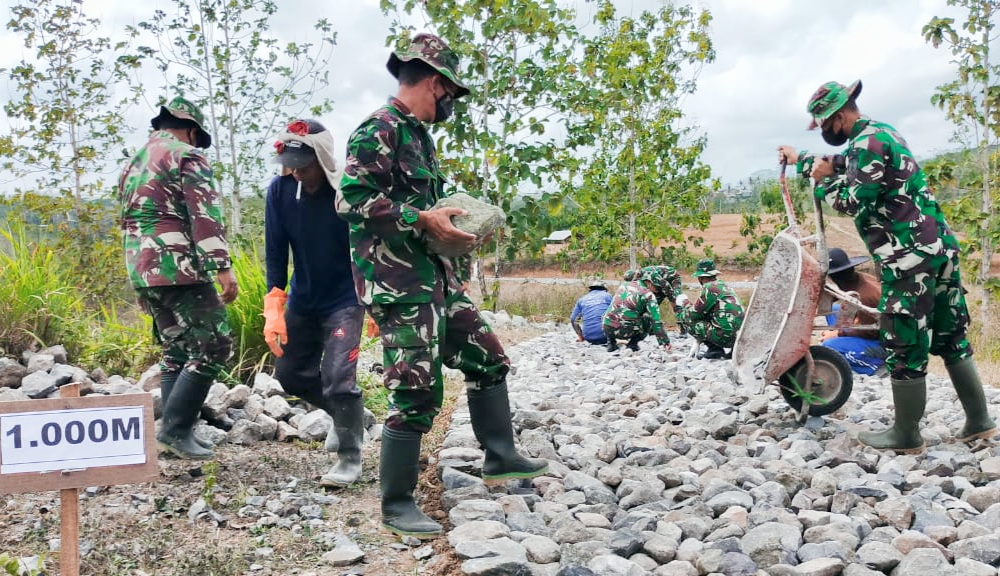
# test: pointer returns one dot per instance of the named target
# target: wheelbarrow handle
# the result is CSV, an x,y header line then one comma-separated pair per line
x,y
785,196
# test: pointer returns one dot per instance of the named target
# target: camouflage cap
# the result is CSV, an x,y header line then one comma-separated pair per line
x,y
631,274
706,267
654,276
829,98
435,53
184,110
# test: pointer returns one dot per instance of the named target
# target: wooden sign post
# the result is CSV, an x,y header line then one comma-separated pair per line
x,y
72,442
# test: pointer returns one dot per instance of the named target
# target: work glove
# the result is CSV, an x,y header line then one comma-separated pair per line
x,y
682,300
275,332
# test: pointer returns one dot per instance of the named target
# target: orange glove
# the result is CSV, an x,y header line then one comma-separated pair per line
x,y
275,332
827,334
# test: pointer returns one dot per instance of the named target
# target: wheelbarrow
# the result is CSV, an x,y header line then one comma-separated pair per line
x,y
774,342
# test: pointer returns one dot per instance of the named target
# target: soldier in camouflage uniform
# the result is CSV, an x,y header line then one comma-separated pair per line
x,y
424,315
634,312
877,181
175,241
716,317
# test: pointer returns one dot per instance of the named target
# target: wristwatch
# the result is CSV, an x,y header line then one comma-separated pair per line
x,y
409,214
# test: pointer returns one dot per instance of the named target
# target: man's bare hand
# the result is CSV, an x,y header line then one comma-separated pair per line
x,y
437,223
230,288
787,154
822,167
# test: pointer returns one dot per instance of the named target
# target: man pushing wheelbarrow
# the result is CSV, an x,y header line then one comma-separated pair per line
x,y
878,182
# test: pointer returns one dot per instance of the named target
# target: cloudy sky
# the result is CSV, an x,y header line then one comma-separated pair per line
x,y
770,56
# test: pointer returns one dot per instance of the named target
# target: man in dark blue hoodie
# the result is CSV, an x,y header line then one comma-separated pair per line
x,y
315,337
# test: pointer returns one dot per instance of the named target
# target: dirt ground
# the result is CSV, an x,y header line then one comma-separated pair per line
x,y
144,529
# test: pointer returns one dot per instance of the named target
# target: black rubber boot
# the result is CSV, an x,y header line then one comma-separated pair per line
x,y
399,467
348,424
167,381
965,379
713,352
633,343
909,398
180,413
489,410
612,345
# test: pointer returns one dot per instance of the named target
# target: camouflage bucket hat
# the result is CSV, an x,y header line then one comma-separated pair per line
x,y
654,276
184,110
435,53
829,98
631,274
706,268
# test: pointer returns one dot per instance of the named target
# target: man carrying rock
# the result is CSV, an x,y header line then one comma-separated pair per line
x,y
877,181
416,297
716,317
315,331
588,313
634,312
175,241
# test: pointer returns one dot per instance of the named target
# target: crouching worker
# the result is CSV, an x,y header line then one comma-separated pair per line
x,y
858,344
315,330
588,313
424,316
716,317
634,313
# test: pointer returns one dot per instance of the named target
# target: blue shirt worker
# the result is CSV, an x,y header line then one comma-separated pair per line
x,y
315,330
588,314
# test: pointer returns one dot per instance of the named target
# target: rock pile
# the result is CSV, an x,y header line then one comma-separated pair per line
x,y
661,465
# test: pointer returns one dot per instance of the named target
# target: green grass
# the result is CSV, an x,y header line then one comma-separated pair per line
x,y
250,353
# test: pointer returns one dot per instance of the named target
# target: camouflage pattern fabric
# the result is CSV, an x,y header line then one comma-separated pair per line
x,y
171,215
433,51
716,317
897,215
886,192
634,312
392,164
666,282
190,324
417,338
925,314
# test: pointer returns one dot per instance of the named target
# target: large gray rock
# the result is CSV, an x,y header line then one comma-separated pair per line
x,y
772,543
38,384
41,362
13,395
481,219
11,373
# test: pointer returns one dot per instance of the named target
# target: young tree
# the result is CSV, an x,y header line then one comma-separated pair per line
x,y
971,102
66,116
646,180
221,56
517,59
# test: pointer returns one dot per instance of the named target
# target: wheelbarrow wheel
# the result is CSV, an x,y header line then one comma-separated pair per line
x,y
831,386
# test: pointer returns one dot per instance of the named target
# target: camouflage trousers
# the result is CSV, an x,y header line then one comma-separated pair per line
x,y
706,331
417,339
190,323
627,330
924,314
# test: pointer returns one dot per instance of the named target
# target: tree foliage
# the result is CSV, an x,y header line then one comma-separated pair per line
x,y
645,180
66,113
972,102
503,145
221,55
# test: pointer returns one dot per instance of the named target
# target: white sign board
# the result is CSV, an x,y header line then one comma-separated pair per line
x,y
72,439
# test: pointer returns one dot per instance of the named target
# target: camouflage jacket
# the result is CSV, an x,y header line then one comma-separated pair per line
x,y
886,192
634,308
671,286
392,164
171,215
718,305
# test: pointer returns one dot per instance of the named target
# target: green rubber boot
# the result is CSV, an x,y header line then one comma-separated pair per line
x,y
167,381
909,398
489,411
965,379
180,414
398,471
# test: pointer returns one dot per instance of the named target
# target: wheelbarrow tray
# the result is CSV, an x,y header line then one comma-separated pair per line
x,y
777,326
